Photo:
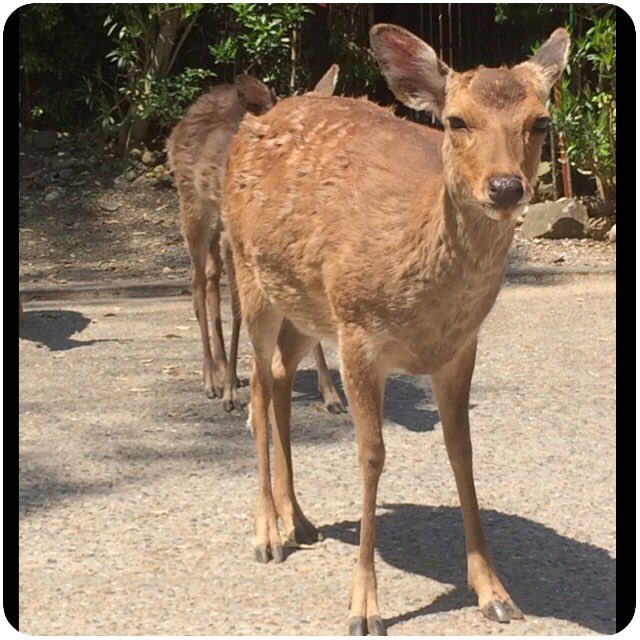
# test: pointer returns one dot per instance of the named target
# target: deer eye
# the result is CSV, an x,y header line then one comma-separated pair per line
x,y
541,125
457,123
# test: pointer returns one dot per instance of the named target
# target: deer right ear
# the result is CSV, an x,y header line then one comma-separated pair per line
x,y
327,84
255,96
412,69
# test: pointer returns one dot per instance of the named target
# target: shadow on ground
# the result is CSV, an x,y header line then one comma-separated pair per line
x,y
54,328
547,574
403,399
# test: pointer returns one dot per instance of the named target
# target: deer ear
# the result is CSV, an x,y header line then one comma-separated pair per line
x,y
327,84
411,67
548,63
255,96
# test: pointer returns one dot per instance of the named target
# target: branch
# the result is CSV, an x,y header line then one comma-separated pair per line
x,y
180,42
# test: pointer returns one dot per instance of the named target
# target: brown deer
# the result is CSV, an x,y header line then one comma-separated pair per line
x,y
391,237
197,149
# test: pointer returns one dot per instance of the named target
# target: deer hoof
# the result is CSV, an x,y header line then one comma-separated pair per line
x,y
514,612
357,626
263,553
230,404
336,407
210,393
375,626
496,611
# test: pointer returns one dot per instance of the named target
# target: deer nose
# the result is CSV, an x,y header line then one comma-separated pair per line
x,y
505,191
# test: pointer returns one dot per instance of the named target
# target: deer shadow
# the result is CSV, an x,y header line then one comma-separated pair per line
x,y
547,574
404,400
54,328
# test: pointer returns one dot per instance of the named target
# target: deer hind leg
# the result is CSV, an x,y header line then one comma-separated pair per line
x,y
263,325
330,396
292,346
195,221
364,386
230,400
213,273
451,387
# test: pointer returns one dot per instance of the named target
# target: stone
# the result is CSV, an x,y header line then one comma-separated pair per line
x,y
150,158
66,174
52,196
66,163
598,228
612,234
109,204
44,140
564,218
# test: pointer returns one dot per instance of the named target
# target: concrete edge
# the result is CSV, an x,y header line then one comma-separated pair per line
x,y
164,288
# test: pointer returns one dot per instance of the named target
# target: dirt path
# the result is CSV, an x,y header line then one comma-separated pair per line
x,y
137,492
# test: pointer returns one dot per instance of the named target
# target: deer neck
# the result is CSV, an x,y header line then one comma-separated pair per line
x,y
457,244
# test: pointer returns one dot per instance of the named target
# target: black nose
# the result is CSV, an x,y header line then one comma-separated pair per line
x,y
505,191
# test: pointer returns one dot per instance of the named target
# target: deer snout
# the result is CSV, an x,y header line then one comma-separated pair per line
x,y
506,191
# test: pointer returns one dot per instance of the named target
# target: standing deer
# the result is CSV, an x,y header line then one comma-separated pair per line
x,y
197,149
391,237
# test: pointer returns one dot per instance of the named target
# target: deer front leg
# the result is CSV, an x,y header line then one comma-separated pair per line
x,y
364,385
451,386
330,397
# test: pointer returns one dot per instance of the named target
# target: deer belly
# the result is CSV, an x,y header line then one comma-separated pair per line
x,y
305,306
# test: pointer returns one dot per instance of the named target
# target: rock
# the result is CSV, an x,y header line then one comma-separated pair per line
x,y
131,175
564,218
66,174
109,204
44,140
598,228
150,158
52,196
66,163
612,234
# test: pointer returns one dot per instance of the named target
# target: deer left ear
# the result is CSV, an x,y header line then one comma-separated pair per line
x,y
548,63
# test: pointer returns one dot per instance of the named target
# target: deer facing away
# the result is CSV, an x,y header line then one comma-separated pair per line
x,y
350,223
197,149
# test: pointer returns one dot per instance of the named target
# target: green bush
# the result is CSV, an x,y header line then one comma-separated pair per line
x,y
586,113
264,41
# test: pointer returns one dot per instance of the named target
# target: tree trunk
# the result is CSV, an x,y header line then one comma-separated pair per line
x,y
161,56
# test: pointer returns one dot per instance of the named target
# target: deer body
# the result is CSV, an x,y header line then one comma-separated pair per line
x,y
438,260
348,222
197,149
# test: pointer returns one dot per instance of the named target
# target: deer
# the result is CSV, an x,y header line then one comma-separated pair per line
x,y
349,223
197,150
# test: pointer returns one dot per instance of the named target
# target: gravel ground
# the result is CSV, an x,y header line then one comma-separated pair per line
x,y
137,492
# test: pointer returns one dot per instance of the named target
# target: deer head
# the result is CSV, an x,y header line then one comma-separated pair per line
x,y
495,120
